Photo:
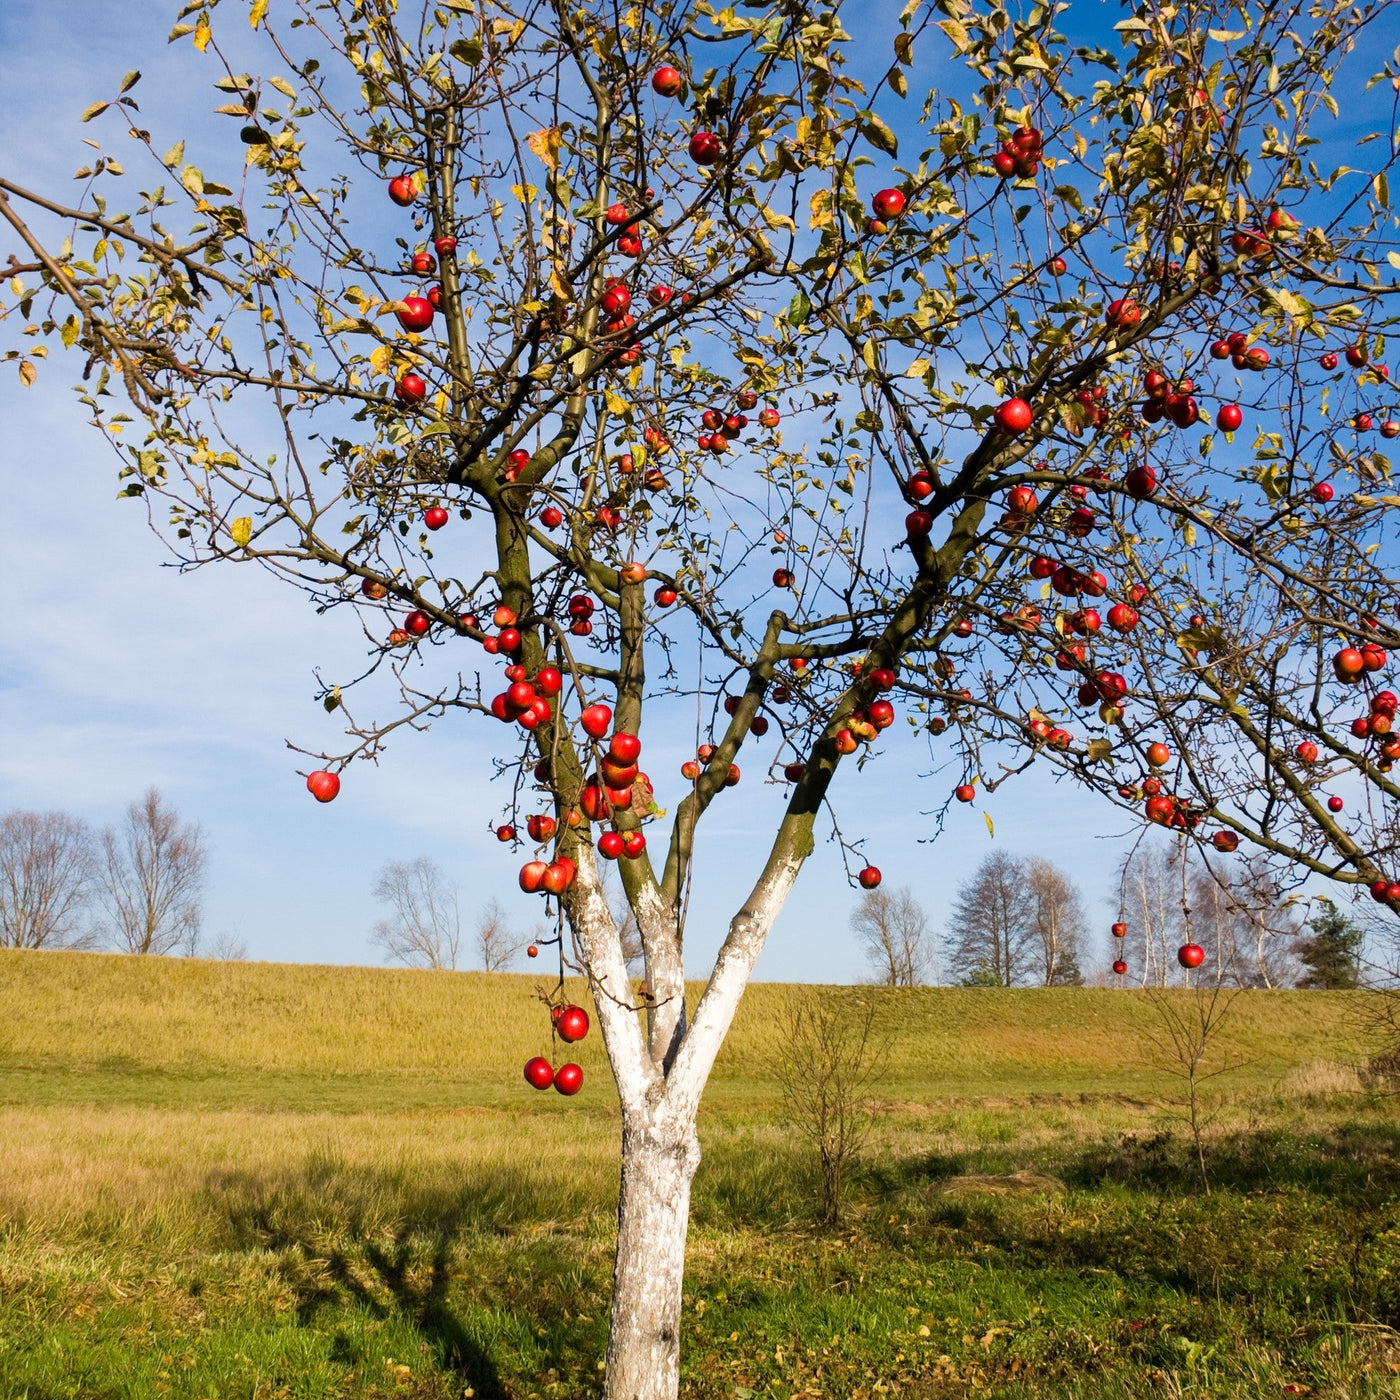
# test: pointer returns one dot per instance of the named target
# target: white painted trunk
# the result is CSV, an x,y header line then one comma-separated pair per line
x,y
653,1212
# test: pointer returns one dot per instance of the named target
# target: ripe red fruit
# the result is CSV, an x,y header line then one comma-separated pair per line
x,y
793,772
551,517
918,523
1158,755
1122,618
424,264
1190,955
444,247
1119,966
888,204
1119,930
596,720
416,623
1123,314
731,778
1348,664
690,770
403,189
1335,804
869,877
532,876
1004,163
323,786
435,517
768,418
1323,492
1225,841
616,300
610,845
1356,355
1160,810
1307,751
665,596
633,844
624,747
538,1073
411,388
568,1080
416,314
667,81
616,214
572,1023
1057,266
965,792
705,148
1014,417
1229,418
1141,482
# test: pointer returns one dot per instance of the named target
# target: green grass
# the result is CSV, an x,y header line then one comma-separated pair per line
x,y
242,1180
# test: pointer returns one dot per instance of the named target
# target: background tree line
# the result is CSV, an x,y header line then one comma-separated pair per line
x,y
1021,922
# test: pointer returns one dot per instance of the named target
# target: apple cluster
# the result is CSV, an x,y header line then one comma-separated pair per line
x,y
570,1024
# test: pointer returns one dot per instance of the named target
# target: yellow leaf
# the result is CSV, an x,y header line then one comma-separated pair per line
x,y
255,15
27,373
991,830
202,34
68,332
1098,749
956,32
379,358
241,531
17,286
545,144
617,406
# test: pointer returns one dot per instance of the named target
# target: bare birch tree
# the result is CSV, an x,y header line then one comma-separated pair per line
x,y
497,944
152,878
423,927
46,880
1057,919
893,929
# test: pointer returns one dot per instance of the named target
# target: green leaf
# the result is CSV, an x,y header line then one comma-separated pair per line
x,y
466,51
1382,188
799,309
878,134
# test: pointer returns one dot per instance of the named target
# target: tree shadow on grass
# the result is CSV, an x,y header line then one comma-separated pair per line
x,y
398,1249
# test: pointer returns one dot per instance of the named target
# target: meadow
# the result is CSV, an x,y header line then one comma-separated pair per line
x,y
257,1180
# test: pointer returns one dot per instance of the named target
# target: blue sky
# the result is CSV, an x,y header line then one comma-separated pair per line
x,y
116,672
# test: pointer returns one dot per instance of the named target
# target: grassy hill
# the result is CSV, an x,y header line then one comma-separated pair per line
x,y
265,1180
78,1028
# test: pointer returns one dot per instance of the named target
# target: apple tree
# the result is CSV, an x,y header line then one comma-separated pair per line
x,y
550,339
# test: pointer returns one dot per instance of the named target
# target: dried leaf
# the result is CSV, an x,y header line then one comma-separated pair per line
x,y
545,144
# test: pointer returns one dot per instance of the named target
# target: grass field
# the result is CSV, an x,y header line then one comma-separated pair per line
x,y
249,1180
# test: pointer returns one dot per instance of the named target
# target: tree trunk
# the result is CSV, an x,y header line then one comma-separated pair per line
x,y
653,1212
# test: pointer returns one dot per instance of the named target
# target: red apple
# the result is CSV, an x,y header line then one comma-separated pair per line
x,y
532,876
633,844
1158,755
410,388
665,596
435,517
965,792
1335,804
403,189
610,845
1119,966
416,313
1123,314
1323,492
1119,930
888,204
705,148
444,247
323,786
1014,417
538,1073
869,877
596,720
568,1080
1229,417
423,263
572,1024
1190,955
667,81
